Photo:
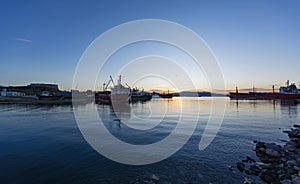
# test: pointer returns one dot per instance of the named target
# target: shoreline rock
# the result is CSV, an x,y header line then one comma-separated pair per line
x,y
278,164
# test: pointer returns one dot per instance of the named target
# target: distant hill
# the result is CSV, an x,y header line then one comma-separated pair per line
x,y
198,94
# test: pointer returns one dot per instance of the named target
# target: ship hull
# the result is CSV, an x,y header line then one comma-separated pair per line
x,y
40,97
103,97
263,96
120,97
166,95
141,97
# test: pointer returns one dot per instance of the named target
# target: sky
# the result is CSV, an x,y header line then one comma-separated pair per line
x,y
255,42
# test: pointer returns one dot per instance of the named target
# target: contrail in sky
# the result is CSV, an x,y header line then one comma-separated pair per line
x,y
23,40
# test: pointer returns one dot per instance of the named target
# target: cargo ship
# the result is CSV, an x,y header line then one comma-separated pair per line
x,y
120,92
120,99
288,92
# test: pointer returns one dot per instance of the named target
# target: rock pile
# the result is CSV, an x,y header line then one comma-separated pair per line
x,y
278,164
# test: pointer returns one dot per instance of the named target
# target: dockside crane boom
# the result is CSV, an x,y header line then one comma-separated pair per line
x,y
127,85
111,79
105,86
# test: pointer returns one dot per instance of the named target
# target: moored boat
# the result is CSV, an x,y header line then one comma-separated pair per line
x,y
103,97
288,92
48,96
139,95
166,95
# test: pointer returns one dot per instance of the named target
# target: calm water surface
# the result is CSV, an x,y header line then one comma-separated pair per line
x,y
43,144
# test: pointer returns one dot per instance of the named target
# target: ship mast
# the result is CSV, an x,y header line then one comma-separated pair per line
x,y
119,80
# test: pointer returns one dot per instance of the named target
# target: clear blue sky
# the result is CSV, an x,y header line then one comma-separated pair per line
x,y
256,42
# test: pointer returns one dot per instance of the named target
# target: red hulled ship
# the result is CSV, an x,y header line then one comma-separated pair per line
x,y
288,92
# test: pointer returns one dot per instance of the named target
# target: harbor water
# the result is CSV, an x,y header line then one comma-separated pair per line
x,y
43,144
